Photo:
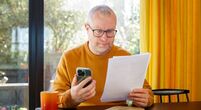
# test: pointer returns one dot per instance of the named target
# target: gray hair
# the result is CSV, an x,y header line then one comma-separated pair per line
x,y
102,9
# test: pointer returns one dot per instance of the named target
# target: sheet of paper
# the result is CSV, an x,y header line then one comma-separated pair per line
x,y
124,74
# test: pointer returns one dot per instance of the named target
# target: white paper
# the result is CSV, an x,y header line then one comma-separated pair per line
x,y
123,75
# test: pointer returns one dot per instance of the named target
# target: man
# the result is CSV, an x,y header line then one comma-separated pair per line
x,y
94,54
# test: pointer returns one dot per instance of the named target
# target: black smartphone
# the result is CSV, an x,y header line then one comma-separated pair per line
x,y
82,73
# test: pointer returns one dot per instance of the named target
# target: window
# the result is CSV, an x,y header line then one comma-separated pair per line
x,y
14,54
64,20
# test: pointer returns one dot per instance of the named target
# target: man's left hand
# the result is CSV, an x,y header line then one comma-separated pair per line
x,y
141,97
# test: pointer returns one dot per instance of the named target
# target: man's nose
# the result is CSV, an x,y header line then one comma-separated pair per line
x,y
104,36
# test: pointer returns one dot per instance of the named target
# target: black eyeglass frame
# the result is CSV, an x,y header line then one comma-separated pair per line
x,y
101,32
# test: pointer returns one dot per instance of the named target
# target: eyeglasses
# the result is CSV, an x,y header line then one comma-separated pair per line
x,y
99,32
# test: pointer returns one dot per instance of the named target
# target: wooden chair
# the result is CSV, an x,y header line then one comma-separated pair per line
x,y
170,92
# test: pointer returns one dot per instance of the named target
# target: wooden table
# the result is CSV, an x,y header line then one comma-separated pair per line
x,y
156,106
177,106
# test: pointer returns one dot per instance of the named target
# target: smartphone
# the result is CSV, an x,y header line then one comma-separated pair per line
x,y
82,73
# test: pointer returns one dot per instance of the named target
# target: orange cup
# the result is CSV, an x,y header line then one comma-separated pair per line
x,y
49,100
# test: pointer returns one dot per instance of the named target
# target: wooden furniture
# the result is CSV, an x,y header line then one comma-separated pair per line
x,y
170,92
156,106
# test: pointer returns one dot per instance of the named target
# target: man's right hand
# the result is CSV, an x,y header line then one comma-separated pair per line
x,y
79,93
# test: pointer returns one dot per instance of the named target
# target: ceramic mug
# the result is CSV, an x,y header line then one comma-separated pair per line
x,y
49,100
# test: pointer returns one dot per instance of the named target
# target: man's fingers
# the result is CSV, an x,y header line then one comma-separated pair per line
x,y
141,97
88,92
144,100
138,95
140,104
74,82
88,88
84,82
88,96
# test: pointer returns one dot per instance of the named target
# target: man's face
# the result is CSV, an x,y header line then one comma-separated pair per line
x,y
101,45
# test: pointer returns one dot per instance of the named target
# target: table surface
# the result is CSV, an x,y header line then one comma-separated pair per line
x,y
157,106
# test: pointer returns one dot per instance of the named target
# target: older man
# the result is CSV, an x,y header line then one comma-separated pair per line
x,y
94,54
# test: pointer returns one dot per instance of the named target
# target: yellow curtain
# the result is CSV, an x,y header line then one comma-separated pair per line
x,y
171,32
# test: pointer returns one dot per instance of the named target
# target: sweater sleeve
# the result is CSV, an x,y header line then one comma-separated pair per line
x,y
62,85
147,86
65,100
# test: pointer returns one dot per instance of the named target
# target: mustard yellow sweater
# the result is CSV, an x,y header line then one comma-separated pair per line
x,y
83,57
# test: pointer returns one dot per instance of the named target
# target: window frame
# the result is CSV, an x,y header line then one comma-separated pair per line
x,y
36,49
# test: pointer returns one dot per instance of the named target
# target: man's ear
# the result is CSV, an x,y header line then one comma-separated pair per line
x,y
86,26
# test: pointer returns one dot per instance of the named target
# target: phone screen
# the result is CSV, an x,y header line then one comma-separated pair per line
x,y
82,73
